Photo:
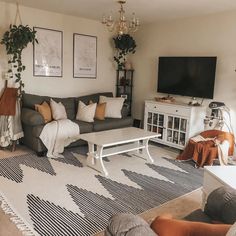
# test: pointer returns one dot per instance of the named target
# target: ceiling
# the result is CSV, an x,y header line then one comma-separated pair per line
x,y
147,10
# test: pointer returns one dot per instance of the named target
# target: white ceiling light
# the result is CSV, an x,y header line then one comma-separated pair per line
x,y
121,25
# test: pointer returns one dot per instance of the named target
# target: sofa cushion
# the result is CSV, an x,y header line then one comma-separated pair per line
x,y
128,225
221,205
58,110
45,110
113,106
100,110
86,112
84,127
112,123
29,100
69,104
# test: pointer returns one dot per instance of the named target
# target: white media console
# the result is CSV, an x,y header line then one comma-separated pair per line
x,y
176,122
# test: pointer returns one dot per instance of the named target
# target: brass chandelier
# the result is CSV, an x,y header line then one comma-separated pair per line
x,y
122,25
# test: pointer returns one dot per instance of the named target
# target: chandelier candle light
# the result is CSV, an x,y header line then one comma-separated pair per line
x,y
121,26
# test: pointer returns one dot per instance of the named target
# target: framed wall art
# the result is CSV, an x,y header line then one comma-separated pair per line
x,y
48,53
84,56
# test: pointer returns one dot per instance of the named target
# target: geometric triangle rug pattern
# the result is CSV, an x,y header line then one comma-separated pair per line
x,y
64,197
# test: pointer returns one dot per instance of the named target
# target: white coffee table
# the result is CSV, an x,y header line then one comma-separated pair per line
x,y
217,176
115,141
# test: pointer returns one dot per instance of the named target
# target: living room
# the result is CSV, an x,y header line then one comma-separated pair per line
x,y
202,28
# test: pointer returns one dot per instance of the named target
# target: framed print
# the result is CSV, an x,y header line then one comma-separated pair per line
x,y
48,53
84,56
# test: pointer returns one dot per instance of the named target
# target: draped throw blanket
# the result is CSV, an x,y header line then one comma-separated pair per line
x,y
8,102
58,134
10,122
208,146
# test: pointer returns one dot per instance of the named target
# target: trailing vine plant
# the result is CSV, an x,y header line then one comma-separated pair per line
x,y
16,39
124,44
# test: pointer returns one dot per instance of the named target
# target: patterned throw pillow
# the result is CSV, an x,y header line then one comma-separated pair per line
x,y
45,110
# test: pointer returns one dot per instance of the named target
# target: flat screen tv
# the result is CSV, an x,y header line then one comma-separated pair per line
x,y
187,76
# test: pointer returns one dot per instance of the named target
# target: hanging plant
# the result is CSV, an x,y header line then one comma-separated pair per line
x,y
124,44
16,39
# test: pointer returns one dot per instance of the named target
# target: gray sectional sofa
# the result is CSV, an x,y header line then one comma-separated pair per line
x,y
33,122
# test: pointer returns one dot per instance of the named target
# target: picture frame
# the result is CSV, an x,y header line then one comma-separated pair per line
x,y
48,53
84,56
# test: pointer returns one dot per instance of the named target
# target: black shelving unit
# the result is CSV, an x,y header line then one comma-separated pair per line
x,y
124,86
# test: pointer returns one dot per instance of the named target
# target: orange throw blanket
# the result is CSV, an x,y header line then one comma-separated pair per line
x,y
205,152
164,226
8,102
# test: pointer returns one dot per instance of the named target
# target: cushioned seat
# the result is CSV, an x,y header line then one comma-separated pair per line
x,y
84,127
112,123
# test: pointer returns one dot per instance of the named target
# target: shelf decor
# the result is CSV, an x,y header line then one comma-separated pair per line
x,y
84,56
124,87
48,53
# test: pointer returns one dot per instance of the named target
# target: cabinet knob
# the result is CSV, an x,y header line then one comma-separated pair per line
x,y
176,110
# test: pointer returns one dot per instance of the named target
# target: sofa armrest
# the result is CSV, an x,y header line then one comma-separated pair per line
x,y
31,117
221,205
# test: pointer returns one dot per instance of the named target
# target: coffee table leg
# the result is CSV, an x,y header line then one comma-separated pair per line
x,y
94,159
144,153
90,155
100,163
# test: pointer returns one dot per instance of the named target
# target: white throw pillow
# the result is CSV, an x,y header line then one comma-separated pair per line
x,y
113,106
86,113
232,230
58,110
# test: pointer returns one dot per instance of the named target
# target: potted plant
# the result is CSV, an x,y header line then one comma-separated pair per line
x,y
16,39
124,44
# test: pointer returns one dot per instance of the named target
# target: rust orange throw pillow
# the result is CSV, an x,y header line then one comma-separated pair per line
x,y
100,111
45,110
165,226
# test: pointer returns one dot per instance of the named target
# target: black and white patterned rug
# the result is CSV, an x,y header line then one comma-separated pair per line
x,y
64,197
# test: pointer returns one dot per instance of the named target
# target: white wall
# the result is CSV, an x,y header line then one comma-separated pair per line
x,y
67,85
212,35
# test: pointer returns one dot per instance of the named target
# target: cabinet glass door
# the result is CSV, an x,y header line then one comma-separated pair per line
x,y
176,130
155,123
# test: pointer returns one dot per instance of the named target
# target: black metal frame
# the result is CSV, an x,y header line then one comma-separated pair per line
x,y
74,35
35,28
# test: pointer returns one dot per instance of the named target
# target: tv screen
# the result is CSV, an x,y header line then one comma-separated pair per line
x,y
187,76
